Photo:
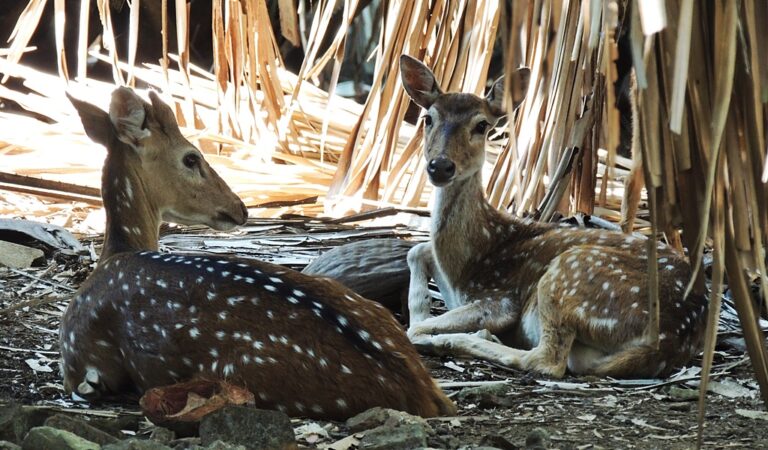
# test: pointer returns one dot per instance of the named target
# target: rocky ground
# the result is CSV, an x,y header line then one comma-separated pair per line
x,y
498,408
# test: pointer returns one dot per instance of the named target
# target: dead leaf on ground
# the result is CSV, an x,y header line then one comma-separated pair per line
x,y
192,400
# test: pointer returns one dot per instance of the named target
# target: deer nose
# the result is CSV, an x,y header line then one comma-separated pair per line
x,y
441,170
244,211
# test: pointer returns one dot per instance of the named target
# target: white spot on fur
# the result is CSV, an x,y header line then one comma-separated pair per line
x,y
606,323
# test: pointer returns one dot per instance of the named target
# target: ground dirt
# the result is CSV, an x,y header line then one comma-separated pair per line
x,y
573,413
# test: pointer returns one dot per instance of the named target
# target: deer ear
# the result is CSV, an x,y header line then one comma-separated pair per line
x,y
419,81
162,113
495,98
519,85
128,115
95,122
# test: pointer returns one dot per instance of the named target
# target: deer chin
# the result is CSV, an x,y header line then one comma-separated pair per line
x,y
437,182
223,222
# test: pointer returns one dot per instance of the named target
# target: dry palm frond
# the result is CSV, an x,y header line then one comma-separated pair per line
x,y
277,136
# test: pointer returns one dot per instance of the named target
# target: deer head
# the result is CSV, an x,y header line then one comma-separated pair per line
x,y
148,156
456,124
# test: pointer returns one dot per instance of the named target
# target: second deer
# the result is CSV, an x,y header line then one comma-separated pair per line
x,y
559,298
303,345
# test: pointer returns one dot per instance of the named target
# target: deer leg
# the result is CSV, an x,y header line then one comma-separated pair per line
x,y
633,185
422,265
550,355
491,315
448,334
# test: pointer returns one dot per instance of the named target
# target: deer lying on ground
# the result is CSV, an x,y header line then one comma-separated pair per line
x,y
561,298
303,345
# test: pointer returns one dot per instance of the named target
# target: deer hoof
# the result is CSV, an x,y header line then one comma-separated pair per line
x,y
90,383
487,335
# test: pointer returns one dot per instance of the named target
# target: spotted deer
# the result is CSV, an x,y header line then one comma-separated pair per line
x,y
558,298
303,345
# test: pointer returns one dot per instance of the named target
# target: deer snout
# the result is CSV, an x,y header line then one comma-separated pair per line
x,y
243,217
231,217
441,170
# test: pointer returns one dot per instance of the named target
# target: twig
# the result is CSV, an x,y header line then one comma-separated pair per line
x,y
283,203
382,212
41,280
28,350
48,188
725,371
31,303
462,384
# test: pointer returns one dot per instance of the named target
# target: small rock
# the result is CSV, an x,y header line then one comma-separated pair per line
x,y
497,441
378,416
387,437
537,439
488,396
162,435
5,445
13,423
115,425
219,445
311,433
80,428
250,427
186,443
680,406
18,256
136,444
682,394
482,447
733,343
49,438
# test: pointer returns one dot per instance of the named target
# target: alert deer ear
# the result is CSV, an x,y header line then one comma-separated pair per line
x,y
419,81
518,84
162,113
495,99
128,115
95,122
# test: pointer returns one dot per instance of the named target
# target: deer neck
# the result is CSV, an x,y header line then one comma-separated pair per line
x,y
463,225
133,222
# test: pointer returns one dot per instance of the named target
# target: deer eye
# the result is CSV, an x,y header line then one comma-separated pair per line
x,y
191,160
482,127
427,120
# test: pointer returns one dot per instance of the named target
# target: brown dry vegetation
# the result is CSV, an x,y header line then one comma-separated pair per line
x,y
250,80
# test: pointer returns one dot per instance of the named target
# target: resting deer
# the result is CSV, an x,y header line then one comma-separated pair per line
x,y
562,298
303,345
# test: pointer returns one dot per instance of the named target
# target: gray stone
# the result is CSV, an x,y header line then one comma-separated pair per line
x,y
386,437
18,256
683,394
250,427
114,425
80,428
482,447
497,441
487,396
5,445
537,439
49,438
378,416
377,269
136,444
162,435
219,445
13,423
187,443
192,444
17,420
